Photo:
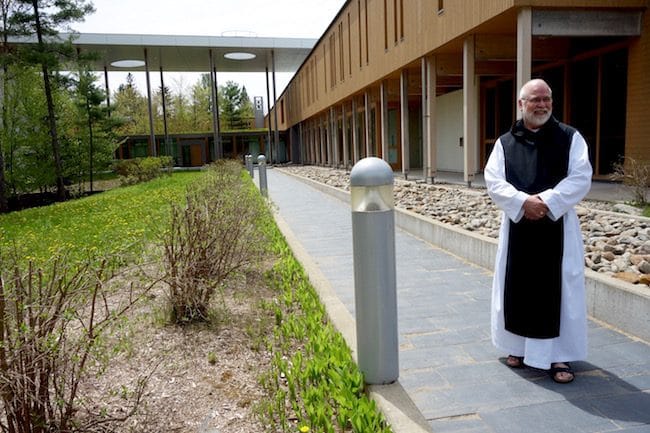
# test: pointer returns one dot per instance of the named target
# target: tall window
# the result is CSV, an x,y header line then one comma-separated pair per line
x,y
333,60
395,21
308,84
282,111
365,13
401,19
359,25
385,24
314,79
324,68
341,52
589,93
349,45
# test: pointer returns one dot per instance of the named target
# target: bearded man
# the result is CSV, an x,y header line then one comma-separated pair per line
x,y
536,173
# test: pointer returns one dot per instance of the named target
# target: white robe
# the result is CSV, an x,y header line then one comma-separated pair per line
x,y
571,344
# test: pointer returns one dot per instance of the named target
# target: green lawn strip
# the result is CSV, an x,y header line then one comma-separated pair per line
x,y
314,383
119,223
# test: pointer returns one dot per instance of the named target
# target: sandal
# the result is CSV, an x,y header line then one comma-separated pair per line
x,y
515,361
556,369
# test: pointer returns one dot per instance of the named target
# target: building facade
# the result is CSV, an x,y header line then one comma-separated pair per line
x,y
429,85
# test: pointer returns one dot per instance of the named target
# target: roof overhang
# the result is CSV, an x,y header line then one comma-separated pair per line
x,y
192,53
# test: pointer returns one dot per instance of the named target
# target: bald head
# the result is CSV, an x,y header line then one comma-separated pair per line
x,y
532,85
536,103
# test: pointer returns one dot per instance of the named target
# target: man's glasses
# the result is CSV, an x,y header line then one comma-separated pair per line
x,y
538,99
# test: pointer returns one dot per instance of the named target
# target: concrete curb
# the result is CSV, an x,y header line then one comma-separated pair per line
x,y
620,304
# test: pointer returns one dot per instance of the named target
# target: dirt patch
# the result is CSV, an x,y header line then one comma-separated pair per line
x,y
201,378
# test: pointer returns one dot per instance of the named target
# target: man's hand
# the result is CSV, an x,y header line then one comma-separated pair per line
x,y
535,208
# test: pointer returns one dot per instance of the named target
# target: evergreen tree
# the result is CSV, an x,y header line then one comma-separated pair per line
x,y
201,105
234,105
7,58
246,105
44,20
28,155
93,118
131,108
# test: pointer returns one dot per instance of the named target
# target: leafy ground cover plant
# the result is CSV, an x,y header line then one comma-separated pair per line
x,y
314,384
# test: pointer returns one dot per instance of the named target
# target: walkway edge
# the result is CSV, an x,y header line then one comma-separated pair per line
x,y
393,401
618,303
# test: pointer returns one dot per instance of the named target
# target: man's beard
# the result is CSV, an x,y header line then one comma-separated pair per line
x,y
537,120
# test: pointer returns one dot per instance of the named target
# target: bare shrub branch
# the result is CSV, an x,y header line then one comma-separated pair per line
x,y
53,321
213,237
636,174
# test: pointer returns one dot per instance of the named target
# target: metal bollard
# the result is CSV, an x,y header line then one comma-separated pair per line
x,y
249,165
375,287
261,163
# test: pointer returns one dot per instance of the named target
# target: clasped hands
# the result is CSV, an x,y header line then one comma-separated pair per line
x,y
535,208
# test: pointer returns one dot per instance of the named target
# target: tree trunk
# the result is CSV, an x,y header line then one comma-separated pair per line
x,y
56,147
51,114
4,207
3,100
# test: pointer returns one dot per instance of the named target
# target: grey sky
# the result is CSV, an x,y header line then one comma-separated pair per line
x,y
277,18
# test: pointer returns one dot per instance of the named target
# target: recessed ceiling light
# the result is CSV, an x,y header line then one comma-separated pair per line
x,y
239,56
127,63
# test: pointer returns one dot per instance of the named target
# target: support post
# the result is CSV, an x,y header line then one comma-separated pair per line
x,y
152,136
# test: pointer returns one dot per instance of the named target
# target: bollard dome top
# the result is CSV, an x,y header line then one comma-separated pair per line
x,y
371,171
261,159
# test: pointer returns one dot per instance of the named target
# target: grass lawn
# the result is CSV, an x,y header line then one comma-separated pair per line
x,y
118,222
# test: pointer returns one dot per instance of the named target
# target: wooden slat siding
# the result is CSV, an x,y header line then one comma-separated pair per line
x,y
426,31
637,128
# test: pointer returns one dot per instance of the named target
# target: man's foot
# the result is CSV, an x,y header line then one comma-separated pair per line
x,y
515,361
561,372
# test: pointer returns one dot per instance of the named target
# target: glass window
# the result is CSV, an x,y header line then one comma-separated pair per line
x,y
612,110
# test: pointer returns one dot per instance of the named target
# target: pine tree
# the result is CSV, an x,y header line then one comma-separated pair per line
x,y
7,58
44,19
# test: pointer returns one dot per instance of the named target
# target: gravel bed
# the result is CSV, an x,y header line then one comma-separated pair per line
x,y
616,243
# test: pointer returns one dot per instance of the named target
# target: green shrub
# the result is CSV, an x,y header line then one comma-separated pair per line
x,y
136,170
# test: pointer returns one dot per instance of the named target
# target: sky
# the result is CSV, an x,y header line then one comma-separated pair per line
x,y
264,18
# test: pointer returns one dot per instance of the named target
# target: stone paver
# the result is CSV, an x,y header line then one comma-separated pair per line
x,y
448,365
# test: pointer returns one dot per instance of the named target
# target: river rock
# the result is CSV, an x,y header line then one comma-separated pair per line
x,y
616,239
644,267
627,209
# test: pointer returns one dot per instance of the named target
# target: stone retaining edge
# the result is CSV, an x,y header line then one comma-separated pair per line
x,y
618,303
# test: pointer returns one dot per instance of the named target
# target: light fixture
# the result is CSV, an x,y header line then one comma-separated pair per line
x,y
127,63
239,56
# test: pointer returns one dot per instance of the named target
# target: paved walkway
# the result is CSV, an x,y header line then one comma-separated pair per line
x,y
448,366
